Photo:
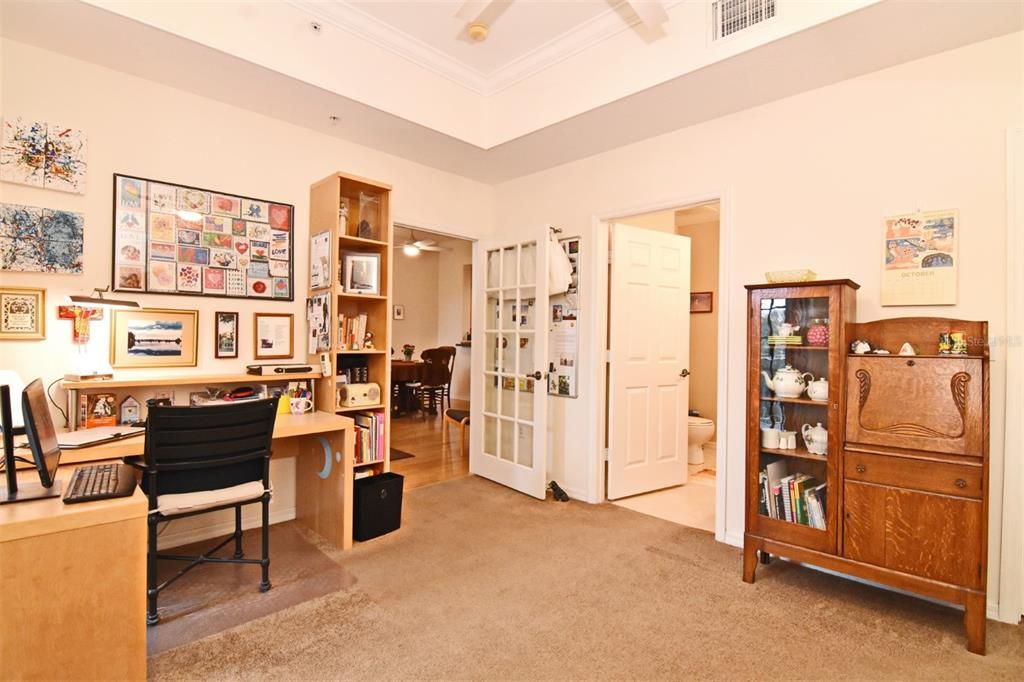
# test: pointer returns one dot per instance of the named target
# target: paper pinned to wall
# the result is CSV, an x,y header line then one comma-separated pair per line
x,y
563,330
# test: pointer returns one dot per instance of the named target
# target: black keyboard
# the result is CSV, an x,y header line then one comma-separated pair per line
x,y
100,482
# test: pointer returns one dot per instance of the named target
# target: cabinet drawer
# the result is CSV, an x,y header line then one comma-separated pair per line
x,y
902,472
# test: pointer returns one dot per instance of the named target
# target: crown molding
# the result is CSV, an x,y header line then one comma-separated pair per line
x,y
588,34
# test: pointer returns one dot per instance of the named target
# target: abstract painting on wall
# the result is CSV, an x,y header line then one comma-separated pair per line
x,y
44,155
36,239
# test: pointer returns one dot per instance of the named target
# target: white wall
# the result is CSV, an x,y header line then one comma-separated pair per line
x,y
416,284
452,320
139,127
807,182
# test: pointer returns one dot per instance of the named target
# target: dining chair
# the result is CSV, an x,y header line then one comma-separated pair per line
x,y
436,378
202,459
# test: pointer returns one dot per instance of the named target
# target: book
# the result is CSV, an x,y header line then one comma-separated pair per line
x,y
101,410
762,505
775,470
787,500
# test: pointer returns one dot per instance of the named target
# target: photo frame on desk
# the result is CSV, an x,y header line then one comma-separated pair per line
x,y
361,273
272,336
154,337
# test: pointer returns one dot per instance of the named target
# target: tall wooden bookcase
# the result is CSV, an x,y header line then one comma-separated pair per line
x,y
326,201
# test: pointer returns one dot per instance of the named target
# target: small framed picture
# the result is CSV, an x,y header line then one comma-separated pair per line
x,y
398,312
700,301
225,342
152,337
22,313
130,410
272,335
361,273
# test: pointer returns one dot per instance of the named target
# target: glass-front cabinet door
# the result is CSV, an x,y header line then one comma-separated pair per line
x,y
795,393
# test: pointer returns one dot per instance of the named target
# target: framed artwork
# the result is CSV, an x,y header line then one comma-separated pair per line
x,y
34,239
361,273
177,239
398,312
920,258
22,313
701,301
272,335
46,155
153,337
225,342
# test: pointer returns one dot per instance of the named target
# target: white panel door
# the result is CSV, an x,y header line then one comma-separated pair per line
x,y
508,434
649,337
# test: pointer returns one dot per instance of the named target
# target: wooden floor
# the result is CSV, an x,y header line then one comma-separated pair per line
x,y
433,462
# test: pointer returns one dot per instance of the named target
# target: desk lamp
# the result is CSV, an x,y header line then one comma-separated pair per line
x,y
83,309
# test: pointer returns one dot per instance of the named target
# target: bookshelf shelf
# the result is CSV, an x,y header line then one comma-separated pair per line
x,y
361,408
797,401
349,239
365,351
799,453
362,297
795,347
366,464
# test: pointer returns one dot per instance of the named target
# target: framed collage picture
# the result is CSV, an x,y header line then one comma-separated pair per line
x,y
177,239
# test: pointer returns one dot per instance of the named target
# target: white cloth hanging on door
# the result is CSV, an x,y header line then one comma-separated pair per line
x,y
559,268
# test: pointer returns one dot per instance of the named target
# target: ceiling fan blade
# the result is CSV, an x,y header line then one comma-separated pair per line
x,y
650,12
423,243
430,248
470,10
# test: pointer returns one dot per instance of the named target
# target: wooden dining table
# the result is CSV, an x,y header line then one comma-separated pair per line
x,y
403,372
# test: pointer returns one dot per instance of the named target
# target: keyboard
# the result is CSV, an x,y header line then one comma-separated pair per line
x,y
100,482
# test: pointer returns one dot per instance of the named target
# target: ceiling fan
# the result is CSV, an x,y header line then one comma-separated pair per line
x,y
479,15
413,246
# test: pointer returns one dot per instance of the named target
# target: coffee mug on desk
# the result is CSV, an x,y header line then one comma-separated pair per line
x,y
301,405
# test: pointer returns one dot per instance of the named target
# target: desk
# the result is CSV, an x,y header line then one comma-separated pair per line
x,y
73,587
73,577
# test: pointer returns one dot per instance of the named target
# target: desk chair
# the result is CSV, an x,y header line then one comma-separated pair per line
x,y
204,459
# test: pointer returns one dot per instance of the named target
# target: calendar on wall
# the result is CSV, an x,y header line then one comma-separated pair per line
x,y
177,239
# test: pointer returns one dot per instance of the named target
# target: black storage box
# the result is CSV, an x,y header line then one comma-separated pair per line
x,y
377,505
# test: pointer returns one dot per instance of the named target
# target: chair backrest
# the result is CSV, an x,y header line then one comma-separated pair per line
x,y
438,365
208,447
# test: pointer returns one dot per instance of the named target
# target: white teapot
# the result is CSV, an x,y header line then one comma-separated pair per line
x,y
816,439
818,389
787,382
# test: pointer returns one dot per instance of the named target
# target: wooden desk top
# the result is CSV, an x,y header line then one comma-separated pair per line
x,y
42,517
285,426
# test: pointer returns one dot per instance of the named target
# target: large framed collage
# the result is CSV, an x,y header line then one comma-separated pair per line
x,y
177,239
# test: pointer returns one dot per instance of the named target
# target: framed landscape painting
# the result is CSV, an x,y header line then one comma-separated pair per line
x,y
153,337
225,341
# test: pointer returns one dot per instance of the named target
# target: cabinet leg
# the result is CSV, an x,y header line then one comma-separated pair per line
x,y
974,622
749,560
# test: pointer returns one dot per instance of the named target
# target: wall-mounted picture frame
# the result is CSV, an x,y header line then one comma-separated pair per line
x,y
170,238
398,312
22,313
225,335
701,301
272,335
361,273
154,337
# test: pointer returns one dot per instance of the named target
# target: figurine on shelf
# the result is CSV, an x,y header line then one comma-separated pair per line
x,y
368,341
860,347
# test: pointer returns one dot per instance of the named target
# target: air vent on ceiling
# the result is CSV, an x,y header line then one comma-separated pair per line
x,y
731,16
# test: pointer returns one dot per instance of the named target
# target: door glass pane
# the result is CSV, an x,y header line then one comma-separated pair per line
x,y
492,343
526,313
508,267
793,414
491,436
527,362
493,311
508,354
528,263
507,436
493,269
491,393
509,309
508,396
525,454
525,397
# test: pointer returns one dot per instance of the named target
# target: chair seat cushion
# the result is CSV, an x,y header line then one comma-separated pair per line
x,y
181,503
457,415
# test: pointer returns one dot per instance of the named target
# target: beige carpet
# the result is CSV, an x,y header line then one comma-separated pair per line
x,y
484,583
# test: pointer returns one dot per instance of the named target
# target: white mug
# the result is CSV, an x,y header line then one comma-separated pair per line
x,y
301,405
770,438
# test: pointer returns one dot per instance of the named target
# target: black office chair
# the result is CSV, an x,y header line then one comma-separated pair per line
x,y
203,459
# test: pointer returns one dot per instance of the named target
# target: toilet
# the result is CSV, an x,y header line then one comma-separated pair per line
x,y
701,431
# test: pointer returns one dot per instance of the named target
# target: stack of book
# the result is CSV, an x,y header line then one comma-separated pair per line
x,y
797,498
785,340
351,331
369,445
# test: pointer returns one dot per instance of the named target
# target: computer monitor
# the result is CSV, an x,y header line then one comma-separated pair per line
x,y
42,440
42,436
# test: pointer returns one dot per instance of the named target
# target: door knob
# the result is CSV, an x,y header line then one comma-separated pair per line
x,y
685,373
536,375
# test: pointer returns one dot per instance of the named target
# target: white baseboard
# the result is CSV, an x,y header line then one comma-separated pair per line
x,y
170,538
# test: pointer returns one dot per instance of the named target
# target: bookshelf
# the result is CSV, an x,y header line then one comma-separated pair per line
x,y
339,205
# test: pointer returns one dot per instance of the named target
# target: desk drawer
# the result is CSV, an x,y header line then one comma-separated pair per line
x,y
902,472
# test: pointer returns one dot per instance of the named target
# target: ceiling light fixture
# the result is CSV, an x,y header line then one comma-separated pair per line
x,y
411,250
478,31
97,300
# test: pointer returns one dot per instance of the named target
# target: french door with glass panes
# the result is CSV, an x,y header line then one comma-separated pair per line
x,y
508,434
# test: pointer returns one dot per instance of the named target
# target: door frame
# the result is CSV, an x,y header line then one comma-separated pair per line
x,y
597,332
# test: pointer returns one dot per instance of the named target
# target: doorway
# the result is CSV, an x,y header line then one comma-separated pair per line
x,y
431,319
688,499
